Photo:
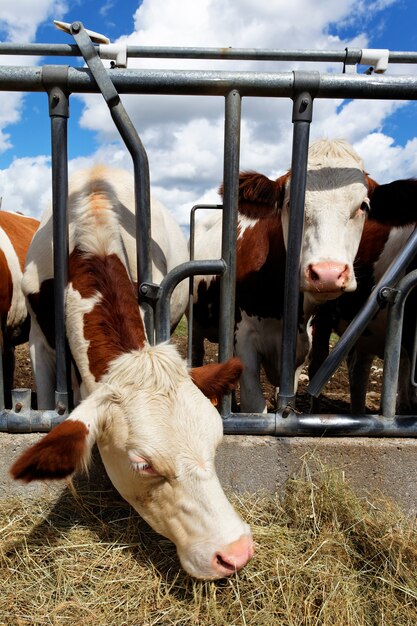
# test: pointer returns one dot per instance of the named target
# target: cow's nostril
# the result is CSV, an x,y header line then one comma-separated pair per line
x,y
313,274
220,560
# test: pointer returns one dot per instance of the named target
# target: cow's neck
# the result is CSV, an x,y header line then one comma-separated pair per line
x,y
113,324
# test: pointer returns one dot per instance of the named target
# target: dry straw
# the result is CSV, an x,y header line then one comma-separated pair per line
x,y
325,557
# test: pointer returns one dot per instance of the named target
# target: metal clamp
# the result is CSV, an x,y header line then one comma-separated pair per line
x,y
377,59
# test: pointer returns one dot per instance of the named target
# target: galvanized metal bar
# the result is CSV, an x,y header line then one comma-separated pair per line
x,y
229,231
140,164
168,284
226,53
393,344
302,116
218,83
359,323
320,425
191,283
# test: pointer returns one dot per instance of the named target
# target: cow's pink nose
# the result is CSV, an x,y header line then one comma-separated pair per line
x,y
327,276
234,556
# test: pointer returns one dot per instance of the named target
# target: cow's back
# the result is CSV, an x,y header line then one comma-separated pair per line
x,y
168,245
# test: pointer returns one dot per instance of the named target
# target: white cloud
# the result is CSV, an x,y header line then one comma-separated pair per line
x,y
25,185
20,19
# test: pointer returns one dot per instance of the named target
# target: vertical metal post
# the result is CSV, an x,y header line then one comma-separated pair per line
x,y
59,113
230,210
302,116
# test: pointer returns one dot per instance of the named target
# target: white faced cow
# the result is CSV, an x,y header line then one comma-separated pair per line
x,y
393,217
16,232
156,431
336,203
168,249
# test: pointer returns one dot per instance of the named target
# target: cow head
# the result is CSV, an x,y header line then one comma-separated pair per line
x,y
157,434
336,204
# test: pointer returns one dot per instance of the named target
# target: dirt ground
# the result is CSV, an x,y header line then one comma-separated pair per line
x,y
335,397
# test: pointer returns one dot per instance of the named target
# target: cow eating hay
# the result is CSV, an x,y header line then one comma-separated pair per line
x,y
156,430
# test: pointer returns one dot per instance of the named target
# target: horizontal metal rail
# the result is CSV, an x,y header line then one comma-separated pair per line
x,y
328,425
220,83
228,53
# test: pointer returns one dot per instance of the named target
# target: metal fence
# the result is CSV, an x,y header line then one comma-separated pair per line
x,y
302,87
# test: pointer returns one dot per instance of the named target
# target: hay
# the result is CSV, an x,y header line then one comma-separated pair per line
x,y
324,557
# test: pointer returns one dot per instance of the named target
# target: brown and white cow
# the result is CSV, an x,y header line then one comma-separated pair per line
x,y
168,249
393,217
336,202
16,232
156,431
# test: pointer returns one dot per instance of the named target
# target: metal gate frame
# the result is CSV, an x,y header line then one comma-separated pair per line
x,y
302,87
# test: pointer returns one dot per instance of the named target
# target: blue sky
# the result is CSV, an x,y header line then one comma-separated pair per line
x,y
184,136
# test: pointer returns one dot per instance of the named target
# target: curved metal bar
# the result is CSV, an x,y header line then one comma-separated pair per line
x,y
168,284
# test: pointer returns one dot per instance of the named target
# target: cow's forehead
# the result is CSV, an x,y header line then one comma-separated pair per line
x,y
344,184
168,418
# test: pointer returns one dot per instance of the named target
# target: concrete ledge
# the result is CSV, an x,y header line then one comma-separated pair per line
x,y
256,464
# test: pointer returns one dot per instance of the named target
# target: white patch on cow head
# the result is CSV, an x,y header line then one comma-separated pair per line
x,y
158,439
335,209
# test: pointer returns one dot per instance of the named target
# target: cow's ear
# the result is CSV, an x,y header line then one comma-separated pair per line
x,y
217,379
258,195
64,450
395,203
371,184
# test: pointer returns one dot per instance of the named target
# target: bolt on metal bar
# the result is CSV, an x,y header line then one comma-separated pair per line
x,y
140,163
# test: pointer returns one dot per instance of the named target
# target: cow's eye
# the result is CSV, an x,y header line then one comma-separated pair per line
x,y
365,206
141,465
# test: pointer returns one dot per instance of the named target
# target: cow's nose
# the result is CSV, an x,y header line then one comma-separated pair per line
x,y
233,556
327,276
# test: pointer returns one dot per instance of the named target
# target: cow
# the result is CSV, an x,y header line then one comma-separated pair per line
x,y
156,430
168,249
16,232
392,219
336,204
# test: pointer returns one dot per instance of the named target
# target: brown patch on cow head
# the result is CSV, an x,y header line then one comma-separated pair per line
x,y
373,240
217,379
55,456
115,325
